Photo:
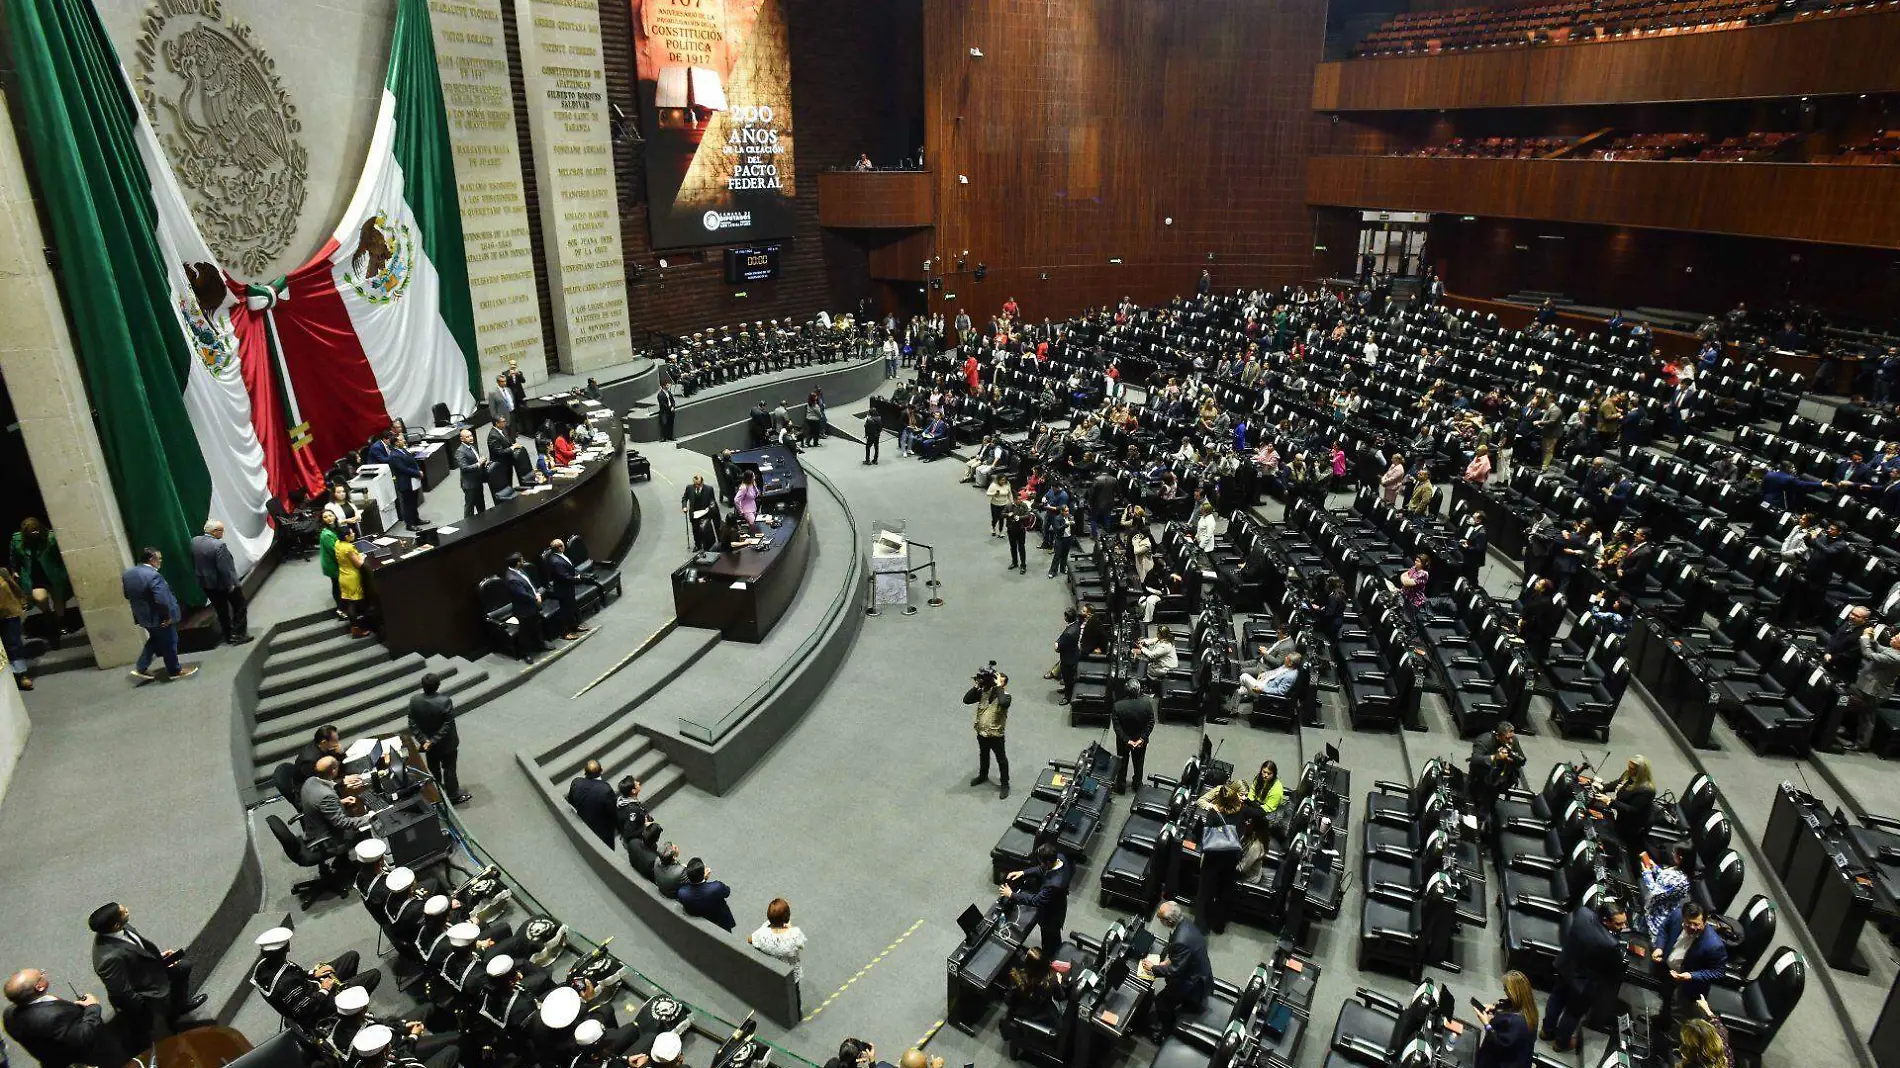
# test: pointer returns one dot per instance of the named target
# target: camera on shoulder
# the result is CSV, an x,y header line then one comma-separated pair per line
x,y
987,676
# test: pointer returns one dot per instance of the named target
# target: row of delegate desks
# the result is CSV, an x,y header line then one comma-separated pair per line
x,y
743,592
426,594
1838,874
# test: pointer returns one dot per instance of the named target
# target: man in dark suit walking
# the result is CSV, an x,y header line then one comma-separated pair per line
x,y
156,610
1184,965
526,601
1589,955
473,472
666,413
146,985
1693,955
59,1033
593,801
501,446
873,429
432,725
217,576
701,507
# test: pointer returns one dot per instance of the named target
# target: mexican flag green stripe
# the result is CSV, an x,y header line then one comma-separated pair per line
x,y
423,152
80,120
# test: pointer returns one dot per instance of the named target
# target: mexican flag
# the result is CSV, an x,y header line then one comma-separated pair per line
x,y
211,394
379,324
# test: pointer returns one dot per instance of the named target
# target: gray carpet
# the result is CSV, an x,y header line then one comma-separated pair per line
x,y
861,818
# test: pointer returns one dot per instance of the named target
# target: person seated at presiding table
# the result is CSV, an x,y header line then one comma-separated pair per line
x,y
561,451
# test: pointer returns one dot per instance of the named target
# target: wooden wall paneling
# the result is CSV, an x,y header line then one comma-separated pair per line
x,y
1814,57
1612,267
1088,123
898,255
1849,205
864,199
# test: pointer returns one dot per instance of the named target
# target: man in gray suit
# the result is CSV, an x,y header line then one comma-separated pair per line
x,y
501,400
217,576
474,474
323,814
669,873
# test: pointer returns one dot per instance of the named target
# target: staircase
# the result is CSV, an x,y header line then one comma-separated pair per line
x,y
630,753
314,673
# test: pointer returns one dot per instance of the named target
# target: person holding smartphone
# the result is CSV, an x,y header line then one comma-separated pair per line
x,y
1510,1024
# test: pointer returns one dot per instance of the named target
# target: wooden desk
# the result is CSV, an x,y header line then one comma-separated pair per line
x,y
742,594
427,599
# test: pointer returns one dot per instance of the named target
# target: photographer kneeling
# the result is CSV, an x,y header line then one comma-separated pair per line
x,y
991,697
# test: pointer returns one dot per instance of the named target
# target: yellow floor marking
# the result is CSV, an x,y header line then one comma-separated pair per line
x,y
847,983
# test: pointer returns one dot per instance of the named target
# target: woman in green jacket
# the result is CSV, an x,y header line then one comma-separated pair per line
x,y
34,557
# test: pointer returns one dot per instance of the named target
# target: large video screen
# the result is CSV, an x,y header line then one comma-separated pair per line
x,y
715,84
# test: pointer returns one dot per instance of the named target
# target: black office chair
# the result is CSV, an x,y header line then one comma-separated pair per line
x,y
285,1049
588,596
497,609
295,531
441,414
284,778
594,570
1755,928
1754,1010
319,854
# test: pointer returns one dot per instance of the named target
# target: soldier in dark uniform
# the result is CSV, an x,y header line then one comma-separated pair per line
x,y
304,997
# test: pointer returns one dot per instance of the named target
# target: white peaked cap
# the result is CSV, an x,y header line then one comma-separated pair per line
x,y
464,934
561,1007
499,965
351,1000
370,849
436,905
588,1032
400,879
275,938
666,1046
371,1040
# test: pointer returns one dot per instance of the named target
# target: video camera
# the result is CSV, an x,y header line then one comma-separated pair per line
x,y
987,676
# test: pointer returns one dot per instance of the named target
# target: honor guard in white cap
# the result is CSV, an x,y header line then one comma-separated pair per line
x,y
303,997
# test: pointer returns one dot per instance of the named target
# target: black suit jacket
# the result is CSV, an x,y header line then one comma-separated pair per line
x,y
500,447
1187,963
211,562
1589,952
562,572
593,801
522,594
432,719
60,1033
132,973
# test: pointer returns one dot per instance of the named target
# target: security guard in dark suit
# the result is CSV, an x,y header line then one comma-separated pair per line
x,y
873,429
666,414
1134,719
432,725
593,801
59,1033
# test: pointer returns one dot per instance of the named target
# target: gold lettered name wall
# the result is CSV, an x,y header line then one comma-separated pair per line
x,y
472,55
573,160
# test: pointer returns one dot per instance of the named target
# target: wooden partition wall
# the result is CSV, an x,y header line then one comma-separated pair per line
x,y
1092,131
1815,57
1848,205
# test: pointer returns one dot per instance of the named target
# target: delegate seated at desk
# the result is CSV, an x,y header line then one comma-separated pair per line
x,y
735,535
324,813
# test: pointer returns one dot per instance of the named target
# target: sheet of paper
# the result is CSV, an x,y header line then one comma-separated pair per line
x,y
446,531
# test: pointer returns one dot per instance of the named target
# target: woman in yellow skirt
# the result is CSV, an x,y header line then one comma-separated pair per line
x,y
349,580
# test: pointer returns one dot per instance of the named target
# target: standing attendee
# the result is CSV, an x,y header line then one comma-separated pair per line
x,y
1062,539
349,581
1214,890
705,897
1016,526
873,429
501,403
516,382
217,576
1879,667
1184,964
745,499
388,449
347,515
1509,1026
156,611
1413,584
432,725
33,556
700,505
1693,956
1495,762
999,493
565,580
473,473
1068,652
13,600
148,987
59,1033
991,697
592,799
1134,720
326,562
1045,888
525,600
667,413
1392,481
1590,957
776,937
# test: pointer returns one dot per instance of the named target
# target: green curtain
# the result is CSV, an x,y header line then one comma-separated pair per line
x,y
428,172
79,119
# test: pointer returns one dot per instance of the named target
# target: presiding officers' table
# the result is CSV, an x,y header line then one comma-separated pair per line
x,y
427,595
743,593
